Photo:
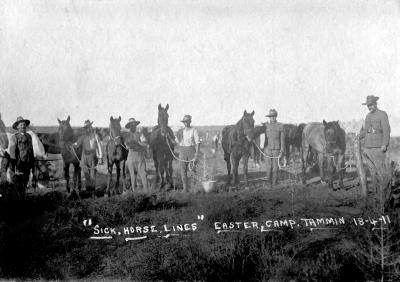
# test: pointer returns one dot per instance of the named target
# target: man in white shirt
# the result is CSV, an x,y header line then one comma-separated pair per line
x,y
189,148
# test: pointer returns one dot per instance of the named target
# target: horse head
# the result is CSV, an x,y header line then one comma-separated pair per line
x,y
246,125
331,133
115,128
65,131
162,119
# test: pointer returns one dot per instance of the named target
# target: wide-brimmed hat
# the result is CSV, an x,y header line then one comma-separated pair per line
x,y
130,121
272,113
370,100
186,118
19,120
87,123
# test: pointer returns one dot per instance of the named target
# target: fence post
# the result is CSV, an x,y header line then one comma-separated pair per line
x,y
360,166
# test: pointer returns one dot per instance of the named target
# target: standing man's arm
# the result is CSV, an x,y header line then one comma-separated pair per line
x,y
385,132
13,147
99,149
78,143
282,141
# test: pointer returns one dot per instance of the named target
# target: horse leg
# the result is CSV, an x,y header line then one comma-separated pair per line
x,y
156,166
162,168
304,156
245,168
227,158
66,176
109,177
340,169
170,173
235,163
123,175
321,167
116,188
76,181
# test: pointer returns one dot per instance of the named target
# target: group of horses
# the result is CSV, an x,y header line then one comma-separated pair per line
x,y
322,141
325,141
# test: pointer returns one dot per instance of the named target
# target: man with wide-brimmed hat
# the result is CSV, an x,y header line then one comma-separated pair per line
x,y
136,161
275,136
189,147
22,156
376,132
91,154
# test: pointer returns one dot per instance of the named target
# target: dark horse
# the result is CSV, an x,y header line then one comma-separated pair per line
x,y
326,139
60,143
293,134
116,154
237,143
161,148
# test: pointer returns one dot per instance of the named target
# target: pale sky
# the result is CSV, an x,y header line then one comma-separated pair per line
x,y
310,60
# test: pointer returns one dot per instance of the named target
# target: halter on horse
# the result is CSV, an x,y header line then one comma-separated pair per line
x,y
237,143
66,137
116,154
162,155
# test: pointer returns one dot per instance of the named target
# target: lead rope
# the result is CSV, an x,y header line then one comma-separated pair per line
x,y
191,162
267,156
82,165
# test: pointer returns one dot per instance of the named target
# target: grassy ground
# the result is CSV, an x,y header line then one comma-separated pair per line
x,y
48,235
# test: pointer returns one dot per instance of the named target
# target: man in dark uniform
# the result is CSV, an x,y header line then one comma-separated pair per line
x,y
276,143
22,157
136,161
376,132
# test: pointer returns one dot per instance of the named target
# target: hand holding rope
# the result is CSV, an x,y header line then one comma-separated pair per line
x,y
192,162
270,157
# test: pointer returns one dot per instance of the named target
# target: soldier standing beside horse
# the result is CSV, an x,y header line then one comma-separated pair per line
x,y
136,162
275,135
376,132
91,154
22,157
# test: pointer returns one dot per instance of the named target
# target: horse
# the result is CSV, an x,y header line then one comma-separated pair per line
x,y
237,141
61,143
116,153
4,156
324,139
161,148
293,135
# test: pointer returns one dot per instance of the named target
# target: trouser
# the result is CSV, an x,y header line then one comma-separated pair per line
x,y
186,154
271,164
376,164
21,178
89,163
5,162
136,163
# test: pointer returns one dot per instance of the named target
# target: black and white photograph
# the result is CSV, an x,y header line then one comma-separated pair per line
x,y
200,140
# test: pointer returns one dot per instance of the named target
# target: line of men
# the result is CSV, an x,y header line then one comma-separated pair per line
x,y
376,132
23,162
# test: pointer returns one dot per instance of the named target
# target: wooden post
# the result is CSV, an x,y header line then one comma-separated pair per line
x,y
360,166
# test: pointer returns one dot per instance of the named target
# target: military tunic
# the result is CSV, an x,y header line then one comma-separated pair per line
x,y
376,132
275,135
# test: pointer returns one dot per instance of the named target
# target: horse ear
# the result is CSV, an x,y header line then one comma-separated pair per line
x,y
159,107
245,112
111,118
59,121
119,118
68,119
324,122
167,107
252,113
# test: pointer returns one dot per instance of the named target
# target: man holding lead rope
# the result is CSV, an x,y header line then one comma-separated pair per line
x,y
275,137
189,149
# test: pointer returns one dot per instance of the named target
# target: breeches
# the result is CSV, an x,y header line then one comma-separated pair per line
x,y
89,163
136,163
186,154
271,162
